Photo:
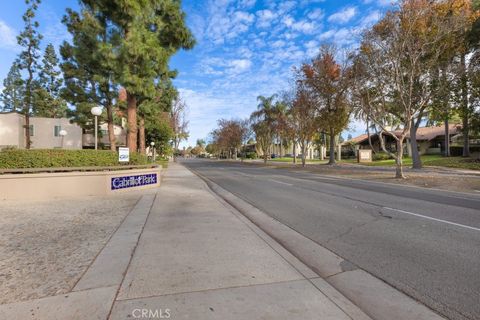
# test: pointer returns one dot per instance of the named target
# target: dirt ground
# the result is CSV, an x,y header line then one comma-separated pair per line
x,y
445,179
46,246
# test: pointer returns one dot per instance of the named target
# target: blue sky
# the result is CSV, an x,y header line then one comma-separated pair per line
x,y
245,48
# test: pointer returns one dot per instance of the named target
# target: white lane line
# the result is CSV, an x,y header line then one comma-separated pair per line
x,y
434,219
281,182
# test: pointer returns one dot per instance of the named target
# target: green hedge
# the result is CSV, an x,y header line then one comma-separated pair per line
x,y
13,159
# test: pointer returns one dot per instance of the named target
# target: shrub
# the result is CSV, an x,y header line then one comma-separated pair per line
x,y
251,155
381,156
43,158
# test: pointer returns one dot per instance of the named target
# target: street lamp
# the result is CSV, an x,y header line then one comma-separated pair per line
x,y
152,144
96,111
62,134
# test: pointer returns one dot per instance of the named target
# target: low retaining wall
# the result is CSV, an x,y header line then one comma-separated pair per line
x,y
74,184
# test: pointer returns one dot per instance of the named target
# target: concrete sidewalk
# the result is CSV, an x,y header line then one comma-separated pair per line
x,y
185,254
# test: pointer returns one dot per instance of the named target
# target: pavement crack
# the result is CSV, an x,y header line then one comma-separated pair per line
x,y
349,230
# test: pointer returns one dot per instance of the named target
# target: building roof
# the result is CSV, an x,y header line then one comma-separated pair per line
x,y
423,133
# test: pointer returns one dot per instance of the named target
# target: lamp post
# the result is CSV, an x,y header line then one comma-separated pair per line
x,y
62,134
152,144
96,111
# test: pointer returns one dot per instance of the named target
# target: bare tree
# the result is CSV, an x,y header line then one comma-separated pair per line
x,y
179,123
393,70
304,113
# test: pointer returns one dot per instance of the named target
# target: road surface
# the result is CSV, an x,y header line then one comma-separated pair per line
x,y
424,242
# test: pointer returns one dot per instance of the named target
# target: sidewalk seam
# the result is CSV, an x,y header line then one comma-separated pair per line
x,y
131,257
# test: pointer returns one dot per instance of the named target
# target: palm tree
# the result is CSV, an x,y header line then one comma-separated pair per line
x,y
280,114
264,118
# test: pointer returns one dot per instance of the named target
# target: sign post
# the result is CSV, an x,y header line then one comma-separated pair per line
x,y
123,154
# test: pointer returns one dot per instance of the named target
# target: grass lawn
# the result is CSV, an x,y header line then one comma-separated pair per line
x,y
429,160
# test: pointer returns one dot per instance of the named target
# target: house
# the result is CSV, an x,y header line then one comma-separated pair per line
x,y
431,140
44,132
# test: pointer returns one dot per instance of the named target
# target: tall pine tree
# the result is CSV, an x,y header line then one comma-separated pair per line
x,y
48,102
29,40
147,33
88,69
12,95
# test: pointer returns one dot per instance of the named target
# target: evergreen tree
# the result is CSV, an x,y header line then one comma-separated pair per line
x,y
12,95
48,102
148,33
88,69
29,40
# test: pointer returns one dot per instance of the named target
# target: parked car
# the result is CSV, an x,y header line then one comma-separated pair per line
x,y
273,156
288,155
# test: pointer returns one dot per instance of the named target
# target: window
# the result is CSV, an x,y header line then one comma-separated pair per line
x,y
56,131
31,130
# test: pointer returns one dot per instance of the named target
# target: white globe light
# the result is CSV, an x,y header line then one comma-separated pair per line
x,y
63,133
96,111
152,143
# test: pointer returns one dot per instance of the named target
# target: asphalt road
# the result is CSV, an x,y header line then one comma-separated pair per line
x,y
424,242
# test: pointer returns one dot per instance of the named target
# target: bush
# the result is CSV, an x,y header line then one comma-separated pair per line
x,y
51,158
251,155
381,156
457,151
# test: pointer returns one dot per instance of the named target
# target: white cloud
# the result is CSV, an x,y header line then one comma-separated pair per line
x,y
285,6
278,44
304,26
239,65
343,16
8,39
327,35
247,4
288,21
265,18
370,19
316,14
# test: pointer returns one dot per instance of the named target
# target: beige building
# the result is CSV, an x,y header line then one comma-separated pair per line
x,y
44,132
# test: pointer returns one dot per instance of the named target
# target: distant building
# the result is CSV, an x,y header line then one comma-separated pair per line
x,y
431,140
45,133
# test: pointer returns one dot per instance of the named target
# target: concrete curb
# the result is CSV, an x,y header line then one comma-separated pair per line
x,y
376,298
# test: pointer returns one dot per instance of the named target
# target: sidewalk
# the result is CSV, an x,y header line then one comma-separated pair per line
x,y
184,254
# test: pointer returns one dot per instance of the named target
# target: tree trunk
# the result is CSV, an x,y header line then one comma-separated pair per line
x,y
399,160
28,141
141,135
304,149
447,138
416,161
464,106
294,152
132,122
370,138
28,107
331,158
281,147
111,129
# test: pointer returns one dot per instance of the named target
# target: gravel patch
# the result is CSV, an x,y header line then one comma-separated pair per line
x,y
45,247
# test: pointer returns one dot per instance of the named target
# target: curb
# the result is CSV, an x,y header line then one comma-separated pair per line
x,y
376,298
